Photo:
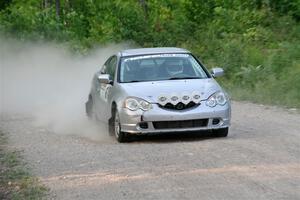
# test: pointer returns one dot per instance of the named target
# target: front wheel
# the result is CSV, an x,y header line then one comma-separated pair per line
x,y
120,136
222,132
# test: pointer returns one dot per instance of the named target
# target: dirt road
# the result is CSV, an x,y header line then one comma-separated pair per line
x,y
259,160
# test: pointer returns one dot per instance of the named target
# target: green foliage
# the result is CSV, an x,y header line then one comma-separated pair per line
x,y
255,41
291,7
4,4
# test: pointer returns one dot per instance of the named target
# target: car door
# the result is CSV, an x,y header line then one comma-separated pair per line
x,y
103,90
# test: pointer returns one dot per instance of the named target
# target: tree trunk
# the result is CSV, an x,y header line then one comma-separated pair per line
x,y
144,6
57,6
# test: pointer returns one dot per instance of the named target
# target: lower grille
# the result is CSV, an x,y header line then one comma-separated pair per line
x,y
180,124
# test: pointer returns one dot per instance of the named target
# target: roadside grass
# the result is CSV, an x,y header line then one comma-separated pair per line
x,y
262,97
16,182
265,94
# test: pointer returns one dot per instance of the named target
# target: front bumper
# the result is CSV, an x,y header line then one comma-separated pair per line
x,y
131,121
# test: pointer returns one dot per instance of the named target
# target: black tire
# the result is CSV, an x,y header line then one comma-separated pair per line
x,y
111,120
120,136
111,126
222,132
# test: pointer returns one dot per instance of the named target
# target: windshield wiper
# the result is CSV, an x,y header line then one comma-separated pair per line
x,y
132,81
178,78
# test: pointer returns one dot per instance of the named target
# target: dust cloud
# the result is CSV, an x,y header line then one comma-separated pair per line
x,y
48,83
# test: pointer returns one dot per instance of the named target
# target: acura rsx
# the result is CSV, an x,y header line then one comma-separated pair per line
x,y
158,90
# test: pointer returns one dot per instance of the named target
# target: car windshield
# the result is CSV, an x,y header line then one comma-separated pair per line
x,y
160,67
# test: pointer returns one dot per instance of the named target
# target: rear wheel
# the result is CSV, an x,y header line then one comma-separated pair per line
x,y
222,132
120,136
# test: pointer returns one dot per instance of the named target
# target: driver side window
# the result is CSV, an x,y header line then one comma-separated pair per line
x,y
104,67
110,67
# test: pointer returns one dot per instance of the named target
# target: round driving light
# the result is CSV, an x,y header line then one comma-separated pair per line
x,y
174,98
196,97
185,97
162,99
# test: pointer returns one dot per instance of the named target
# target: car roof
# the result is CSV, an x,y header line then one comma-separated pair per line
x,y
147,51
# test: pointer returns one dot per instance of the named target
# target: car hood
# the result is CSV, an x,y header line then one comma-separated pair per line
x,y
151,91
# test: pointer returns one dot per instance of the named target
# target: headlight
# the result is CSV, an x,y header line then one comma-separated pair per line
x,y
134,103
144,105
217,98
221,98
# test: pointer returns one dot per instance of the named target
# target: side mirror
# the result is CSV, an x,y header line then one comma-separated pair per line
x,y
104,78
217,72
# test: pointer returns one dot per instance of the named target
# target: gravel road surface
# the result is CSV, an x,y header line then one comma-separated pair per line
x,y
260,159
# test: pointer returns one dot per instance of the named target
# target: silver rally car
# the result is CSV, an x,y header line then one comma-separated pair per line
x,y
156,90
